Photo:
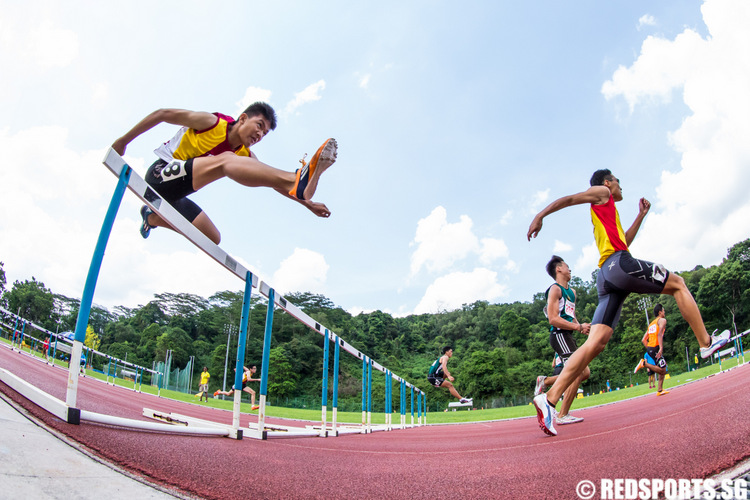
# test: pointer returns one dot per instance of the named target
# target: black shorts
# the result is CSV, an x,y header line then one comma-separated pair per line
x,y
436,381
563,342
651,358
174,182
621,275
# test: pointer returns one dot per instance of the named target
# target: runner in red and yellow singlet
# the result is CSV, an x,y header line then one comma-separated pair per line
x,y
620,274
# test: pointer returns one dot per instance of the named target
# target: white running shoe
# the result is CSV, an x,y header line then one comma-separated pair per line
x,y
539,385
464,401
717,342
568,419
545,414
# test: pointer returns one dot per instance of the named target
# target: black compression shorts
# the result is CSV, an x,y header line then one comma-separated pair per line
x,y
174,182
621,275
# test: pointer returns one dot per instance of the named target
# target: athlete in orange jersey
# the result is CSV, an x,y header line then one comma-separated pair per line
x,y
653,341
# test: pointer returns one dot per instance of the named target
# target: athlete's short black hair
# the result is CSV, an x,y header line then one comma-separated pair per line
x,y
600,176
446,349
657,309
552,265
263,109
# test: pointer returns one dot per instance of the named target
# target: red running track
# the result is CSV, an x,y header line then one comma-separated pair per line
x,y
698,430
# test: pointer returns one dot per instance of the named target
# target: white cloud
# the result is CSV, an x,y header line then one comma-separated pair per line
x,y
303,271
51,213
309,94
506,218
439,243
561,247
252,94
491,250
587,262
538,200
364,81
646,20
38,45
455,289
662,67
702,208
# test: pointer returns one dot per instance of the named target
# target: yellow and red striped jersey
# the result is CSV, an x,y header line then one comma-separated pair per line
x,y
608,232
190,143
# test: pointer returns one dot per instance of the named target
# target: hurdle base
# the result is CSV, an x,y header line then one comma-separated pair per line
x,y
192,422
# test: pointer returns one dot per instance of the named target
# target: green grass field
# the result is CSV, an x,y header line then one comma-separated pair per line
x,y
460,416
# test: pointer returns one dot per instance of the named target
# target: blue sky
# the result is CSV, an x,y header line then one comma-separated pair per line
x,y
455,123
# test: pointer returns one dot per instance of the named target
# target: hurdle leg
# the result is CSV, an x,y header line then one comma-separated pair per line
x,y
88,291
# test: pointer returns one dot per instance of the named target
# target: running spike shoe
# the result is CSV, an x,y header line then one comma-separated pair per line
x,y
717,342
145,226
321,160
545,414
568,419
539,385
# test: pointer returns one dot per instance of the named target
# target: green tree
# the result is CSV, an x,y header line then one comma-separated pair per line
x,y
32,301
179,342
282,378
483,374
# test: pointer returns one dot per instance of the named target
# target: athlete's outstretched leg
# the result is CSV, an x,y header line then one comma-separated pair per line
x,y
251,172
579,360
451,388
244,170
677,288
572,392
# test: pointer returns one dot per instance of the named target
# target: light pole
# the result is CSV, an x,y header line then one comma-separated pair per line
x,y
229,330
645,303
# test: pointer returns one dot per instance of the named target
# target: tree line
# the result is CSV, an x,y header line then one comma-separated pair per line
x,y
499,349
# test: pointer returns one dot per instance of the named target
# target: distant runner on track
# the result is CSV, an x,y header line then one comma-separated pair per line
x,y
619,275
246,379
653,341
439,376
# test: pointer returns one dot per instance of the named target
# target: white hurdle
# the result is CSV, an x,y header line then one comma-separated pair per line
x,y
68,410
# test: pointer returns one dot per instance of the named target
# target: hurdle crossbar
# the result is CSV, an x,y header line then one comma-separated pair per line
x,y
130,180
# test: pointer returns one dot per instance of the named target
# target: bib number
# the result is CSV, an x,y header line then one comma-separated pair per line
x,y
173,170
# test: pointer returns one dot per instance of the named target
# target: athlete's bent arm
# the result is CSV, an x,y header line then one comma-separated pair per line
x,y
662,324
595,194
643,207
553,312
198,120
444,364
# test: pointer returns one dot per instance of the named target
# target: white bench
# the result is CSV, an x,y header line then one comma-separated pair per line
x,y
456,404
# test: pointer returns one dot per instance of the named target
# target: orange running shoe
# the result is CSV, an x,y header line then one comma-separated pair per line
x,y
254,407
641,364
321,160
662,393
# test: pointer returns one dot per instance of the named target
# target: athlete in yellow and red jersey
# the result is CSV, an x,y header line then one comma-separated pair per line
x,y
210,146
247,377
619,275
